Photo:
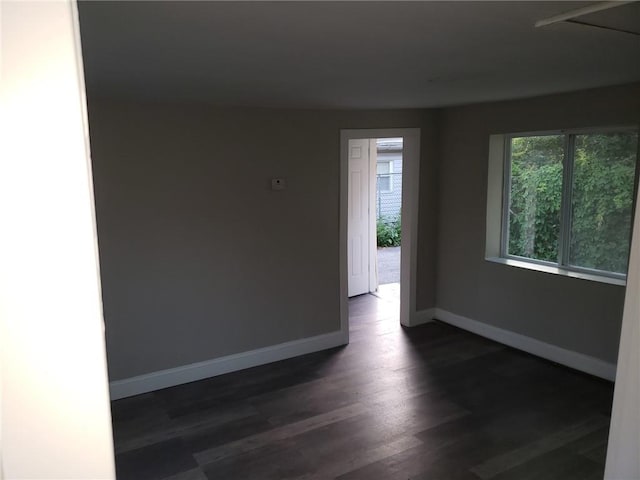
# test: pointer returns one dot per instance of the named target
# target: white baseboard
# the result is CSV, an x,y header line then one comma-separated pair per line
x,y
422,316
239,361
218,366
568,358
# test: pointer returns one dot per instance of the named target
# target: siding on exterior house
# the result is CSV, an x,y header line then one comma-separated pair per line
x,y
389,200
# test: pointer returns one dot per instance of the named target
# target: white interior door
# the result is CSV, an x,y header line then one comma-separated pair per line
x,y
358,218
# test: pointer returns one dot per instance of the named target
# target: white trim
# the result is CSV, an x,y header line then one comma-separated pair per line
x,y
409,212
373,243
219,366
557,270
410,188
568,358
495,196
421,317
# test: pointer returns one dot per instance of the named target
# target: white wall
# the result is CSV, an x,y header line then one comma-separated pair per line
x,y
623,453
55,406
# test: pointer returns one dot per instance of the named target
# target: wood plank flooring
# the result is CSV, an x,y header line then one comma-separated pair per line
x,y
432,402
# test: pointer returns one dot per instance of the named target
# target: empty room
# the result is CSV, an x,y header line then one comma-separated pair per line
x,y
193,190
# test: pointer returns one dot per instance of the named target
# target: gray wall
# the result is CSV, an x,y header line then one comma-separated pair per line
x,y
579,315
199,258
427,228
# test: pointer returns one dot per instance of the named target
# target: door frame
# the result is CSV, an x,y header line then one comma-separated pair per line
x,y
373,244
409,212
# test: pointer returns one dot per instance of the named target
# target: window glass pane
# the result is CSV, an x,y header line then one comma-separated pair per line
x,y
602,201
384,167
384,183
535,196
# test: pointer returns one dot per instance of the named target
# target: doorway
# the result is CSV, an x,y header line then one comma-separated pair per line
x,y
362,187
374,225
388,222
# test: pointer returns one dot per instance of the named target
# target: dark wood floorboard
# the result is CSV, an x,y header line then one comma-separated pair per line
x,y
431,402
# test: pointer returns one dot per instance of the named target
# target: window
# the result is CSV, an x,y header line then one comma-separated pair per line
x,y
568,199
385,176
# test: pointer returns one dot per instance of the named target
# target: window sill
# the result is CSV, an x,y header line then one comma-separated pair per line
x,y
557,271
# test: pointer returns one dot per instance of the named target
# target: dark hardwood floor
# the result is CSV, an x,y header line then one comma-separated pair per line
x,y
432,402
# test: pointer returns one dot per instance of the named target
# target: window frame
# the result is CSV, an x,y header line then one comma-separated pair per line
x,y
388,175
566,199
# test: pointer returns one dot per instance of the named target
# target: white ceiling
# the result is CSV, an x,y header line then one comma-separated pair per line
x,y
350,54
